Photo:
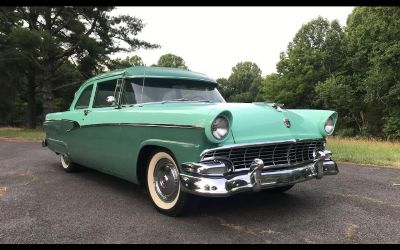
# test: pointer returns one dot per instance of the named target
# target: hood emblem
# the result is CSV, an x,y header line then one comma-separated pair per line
x,y
286,122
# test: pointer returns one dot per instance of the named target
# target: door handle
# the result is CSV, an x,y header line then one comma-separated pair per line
x,y
86,112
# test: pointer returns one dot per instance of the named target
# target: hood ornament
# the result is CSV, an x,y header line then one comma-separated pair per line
x,y
278,106
286,122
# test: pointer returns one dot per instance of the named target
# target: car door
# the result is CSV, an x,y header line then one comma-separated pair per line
x,y
102,130
76,139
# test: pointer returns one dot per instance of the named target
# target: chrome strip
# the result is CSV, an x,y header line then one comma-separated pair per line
x,y
62,120
75,124
131,124
244,145
144,125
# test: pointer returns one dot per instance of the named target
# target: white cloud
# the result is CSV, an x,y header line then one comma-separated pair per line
x,y
214,39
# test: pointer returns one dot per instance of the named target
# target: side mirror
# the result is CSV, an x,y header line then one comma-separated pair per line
x,y
111,100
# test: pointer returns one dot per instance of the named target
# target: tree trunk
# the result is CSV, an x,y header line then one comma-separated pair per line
x,y
48,97
47,89
31,109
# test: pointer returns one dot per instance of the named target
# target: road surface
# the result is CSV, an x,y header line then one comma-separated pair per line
x,y
40,203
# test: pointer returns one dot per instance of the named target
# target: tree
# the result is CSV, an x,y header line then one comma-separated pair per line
x,y
244,82
224,88
49,38
10,88
373,49
337,93
171,61
269,86
125,63
316,53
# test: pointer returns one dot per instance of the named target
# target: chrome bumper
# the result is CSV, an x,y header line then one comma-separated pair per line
x,y
257,178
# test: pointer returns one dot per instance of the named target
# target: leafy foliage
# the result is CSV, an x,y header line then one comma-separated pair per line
x,y
352,69
125,63
307,61
171,61
243,84
38,44
45,52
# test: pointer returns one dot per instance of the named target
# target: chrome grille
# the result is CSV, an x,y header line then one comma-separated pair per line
x,y
272,154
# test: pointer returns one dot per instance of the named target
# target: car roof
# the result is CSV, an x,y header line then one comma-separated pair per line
x,y
154,72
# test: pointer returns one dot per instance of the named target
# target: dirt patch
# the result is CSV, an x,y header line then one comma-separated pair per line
x,y
3,191
351,231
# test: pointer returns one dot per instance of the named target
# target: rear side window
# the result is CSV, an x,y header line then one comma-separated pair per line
x,y
84,99
104,89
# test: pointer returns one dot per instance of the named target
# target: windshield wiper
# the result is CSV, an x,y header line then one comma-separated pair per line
x,y
201,100
176,100
184,100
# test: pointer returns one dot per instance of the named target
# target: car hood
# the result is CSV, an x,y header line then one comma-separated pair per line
x,y
258,122
251,122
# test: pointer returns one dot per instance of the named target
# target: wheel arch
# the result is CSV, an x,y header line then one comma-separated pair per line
x,y
144,157
180,152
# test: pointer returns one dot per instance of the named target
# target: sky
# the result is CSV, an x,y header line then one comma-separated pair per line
x,y
212,40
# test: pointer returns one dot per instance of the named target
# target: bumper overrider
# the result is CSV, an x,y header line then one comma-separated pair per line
x,y
218,180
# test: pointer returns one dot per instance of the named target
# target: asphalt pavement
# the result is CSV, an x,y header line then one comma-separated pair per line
x,y
40,203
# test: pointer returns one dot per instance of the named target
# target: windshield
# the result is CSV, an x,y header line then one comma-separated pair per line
x,y
169,90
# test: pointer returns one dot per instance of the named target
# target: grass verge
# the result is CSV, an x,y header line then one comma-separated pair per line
x,y
22,134
365,151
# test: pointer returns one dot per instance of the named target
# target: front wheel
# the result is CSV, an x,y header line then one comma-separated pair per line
x,y
164,185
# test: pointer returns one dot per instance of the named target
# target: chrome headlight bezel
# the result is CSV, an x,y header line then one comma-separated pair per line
x,y
220,128
329,125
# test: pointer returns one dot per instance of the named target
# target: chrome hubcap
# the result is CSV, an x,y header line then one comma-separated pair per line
x,y
166,180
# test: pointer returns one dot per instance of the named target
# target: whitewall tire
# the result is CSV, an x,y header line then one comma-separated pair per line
x,y
164,186
67,165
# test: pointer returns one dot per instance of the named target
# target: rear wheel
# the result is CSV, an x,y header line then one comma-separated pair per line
x,y
67,165
164,185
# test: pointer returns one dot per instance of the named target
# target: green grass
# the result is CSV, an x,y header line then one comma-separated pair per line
x,y
22,134
365,151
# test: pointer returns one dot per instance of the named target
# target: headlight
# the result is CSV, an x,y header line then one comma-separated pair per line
x,y
220,128
329,125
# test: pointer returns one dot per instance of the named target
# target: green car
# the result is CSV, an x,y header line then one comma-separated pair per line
x,y
171,130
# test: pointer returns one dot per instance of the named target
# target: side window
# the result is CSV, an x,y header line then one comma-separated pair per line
x,y
104,89
84,99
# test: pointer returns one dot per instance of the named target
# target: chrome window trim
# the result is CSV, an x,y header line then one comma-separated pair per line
x,y
173,77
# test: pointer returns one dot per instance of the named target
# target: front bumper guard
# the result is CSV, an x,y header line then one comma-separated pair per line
x,y
258,177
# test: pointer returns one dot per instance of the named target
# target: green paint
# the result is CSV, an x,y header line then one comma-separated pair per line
x,y
110,139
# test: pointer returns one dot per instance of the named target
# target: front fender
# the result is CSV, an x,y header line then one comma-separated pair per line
x,y
182,151
317,117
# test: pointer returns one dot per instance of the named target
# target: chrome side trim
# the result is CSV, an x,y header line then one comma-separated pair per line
x,y
63,120
243,145
76,124
144,125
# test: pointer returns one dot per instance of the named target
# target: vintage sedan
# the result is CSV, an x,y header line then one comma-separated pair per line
x,y
172,131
